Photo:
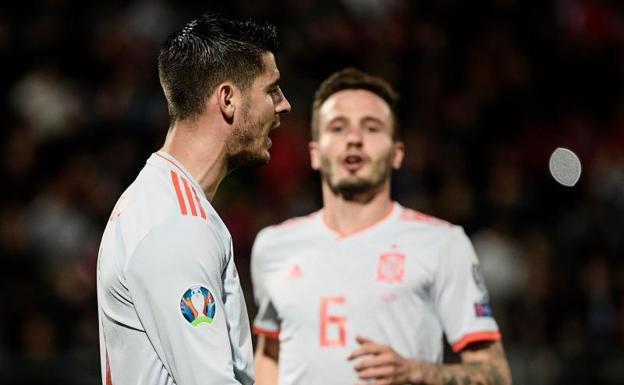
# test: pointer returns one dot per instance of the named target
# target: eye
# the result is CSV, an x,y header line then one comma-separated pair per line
x,y
276,94
335,128
372,128
275,89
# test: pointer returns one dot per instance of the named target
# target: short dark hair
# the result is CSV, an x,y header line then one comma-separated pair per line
x,y
353,79
207,51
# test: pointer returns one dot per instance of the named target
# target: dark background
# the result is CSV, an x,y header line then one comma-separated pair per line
x,y
489,89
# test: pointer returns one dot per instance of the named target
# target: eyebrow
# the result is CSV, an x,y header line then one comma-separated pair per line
x,y
274,82
338,119
367,119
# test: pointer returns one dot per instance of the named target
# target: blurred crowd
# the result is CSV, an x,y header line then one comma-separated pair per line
x,y
488,90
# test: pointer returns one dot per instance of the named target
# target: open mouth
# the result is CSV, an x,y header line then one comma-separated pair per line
x,y
353,162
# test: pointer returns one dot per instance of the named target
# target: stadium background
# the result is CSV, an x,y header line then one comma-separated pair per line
x,y
489,89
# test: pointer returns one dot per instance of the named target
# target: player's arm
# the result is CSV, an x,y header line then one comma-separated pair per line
x,y
267,322
482,363
461,301
267,359
178,255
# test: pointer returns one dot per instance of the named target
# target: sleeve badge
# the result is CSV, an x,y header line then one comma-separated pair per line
x,y
198,305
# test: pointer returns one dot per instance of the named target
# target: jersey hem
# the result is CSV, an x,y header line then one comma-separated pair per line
x,y
469,338
264,332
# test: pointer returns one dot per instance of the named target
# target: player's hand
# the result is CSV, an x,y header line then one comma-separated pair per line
x,y
381,365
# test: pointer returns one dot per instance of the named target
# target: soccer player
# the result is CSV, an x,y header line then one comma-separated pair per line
x,y
364,289
171,308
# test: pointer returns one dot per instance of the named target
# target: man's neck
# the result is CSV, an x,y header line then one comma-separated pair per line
x,y
201,148
349,215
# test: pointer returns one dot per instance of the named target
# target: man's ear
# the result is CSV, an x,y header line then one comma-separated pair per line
x,y
398,154
227,95
315,158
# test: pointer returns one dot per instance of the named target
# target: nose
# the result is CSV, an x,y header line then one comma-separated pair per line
x,y
354,136
283,106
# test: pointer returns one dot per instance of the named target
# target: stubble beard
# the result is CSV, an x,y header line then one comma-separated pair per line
x,y
241,146
359,189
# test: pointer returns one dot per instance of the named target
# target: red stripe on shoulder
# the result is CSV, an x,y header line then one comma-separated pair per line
x,y
267,333
189,197
201,208
176,185
417,216
469,338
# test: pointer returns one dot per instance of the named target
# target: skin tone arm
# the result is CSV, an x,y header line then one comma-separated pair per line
x,y
482,363
266,357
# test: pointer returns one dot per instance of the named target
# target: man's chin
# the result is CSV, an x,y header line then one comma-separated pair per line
x,y
263,157
352,187
248,159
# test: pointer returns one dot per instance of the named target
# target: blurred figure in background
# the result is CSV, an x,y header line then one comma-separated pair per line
x,y
365,279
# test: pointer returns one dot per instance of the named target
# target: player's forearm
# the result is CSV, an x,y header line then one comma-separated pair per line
x,y
495,372
267,357
266,370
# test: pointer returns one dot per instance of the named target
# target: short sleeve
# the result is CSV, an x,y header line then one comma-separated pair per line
x,y
174,277
266,322
460,295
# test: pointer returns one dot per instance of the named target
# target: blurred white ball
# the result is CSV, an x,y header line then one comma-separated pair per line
x,y
565,166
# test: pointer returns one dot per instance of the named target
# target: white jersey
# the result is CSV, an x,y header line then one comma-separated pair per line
x,y
171,309
404,281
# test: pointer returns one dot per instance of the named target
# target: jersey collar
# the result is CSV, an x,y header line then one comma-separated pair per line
x,y
167,160
392,213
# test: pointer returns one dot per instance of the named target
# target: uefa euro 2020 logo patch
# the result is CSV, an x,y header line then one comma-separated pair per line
x,y
197,305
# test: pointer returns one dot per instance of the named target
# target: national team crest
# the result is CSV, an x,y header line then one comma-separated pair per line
x,y
197,305
390,267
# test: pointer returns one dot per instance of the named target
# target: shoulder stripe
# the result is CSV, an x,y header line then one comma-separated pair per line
x,y
189,197
176,185
201,208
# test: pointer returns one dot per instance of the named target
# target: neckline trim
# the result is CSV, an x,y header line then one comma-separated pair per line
x,y
176,163
341,235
